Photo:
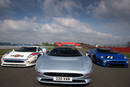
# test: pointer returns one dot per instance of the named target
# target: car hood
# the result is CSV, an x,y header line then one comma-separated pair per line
x,y
52,63
17,55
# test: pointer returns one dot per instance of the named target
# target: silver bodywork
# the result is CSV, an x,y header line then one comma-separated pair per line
x,y
76,69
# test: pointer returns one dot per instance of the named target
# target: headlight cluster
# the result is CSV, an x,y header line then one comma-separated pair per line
x,y
30,56
5,54
88,75
110,57
125,57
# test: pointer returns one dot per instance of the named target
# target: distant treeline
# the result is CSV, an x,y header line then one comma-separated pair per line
x,y
13,44
5,43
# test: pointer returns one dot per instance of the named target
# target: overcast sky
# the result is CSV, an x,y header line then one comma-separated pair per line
x,y
88,21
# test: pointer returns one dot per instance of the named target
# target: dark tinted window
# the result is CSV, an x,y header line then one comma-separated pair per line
x,y
106,51
65,52
39,49
27,49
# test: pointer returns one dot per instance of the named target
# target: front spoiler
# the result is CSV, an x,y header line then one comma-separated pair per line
x,y
74,81
16,64
113,62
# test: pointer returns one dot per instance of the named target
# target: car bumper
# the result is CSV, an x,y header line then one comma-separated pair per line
x,y
16,64
74,80
114,62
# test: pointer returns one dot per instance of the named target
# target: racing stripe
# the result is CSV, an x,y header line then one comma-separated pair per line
x,y
35,53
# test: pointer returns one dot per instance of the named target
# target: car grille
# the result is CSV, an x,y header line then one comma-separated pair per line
x,y
63,74
15,65
14,61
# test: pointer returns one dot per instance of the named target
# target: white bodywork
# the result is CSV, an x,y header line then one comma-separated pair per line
x,y
20,59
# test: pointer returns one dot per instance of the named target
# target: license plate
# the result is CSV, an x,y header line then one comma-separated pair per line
x,y
62,78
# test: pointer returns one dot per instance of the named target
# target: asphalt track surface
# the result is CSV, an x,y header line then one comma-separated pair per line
x,y
114,76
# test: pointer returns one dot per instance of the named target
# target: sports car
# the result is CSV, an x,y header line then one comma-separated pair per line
x,y
22,57
64,65
106,57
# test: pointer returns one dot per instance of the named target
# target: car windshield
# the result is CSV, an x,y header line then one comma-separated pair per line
x,y
65,52
27,49
106,51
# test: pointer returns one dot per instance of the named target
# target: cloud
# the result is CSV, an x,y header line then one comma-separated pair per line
x,y
5,4
81,27
115,15
60,29
18,30
111,9
18,25
60,7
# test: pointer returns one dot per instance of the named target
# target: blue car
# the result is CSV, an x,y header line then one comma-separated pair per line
x,y
106,57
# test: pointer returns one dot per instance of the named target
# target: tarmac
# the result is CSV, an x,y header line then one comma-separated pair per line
x,y
115,76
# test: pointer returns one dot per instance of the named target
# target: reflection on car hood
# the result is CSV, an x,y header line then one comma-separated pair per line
x,y
82,63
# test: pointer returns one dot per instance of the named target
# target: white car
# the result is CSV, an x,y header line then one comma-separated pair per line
x,y
22,57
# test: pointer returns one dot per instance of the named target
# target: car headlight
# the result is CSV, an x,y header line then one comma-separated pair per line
x,y
38,73
1,59
102,56
127,61
30,56
111,57
108,56
88,75
5,54
125,57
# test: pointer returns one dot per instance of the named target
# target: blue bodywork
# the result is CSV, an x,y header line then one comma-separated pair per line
x,y
106,57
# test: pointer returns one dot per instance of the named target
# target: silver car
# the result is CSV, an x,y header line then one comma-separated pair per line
x,y
64,66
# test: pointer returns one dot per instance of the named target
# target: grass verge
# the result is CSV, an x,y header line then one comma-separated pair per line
x,y
3,51
127,54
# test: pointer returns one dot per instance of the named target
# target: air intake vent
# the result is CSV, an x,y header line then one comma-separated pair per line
x,y
63,74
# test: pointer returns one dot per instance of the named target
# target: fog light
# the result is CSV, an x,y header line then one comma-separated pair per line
x,y
102,56
104,61
127,61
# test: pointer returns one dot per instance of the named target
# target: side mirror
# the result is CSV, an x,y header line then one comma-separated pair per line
x,y
86,54
47,52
